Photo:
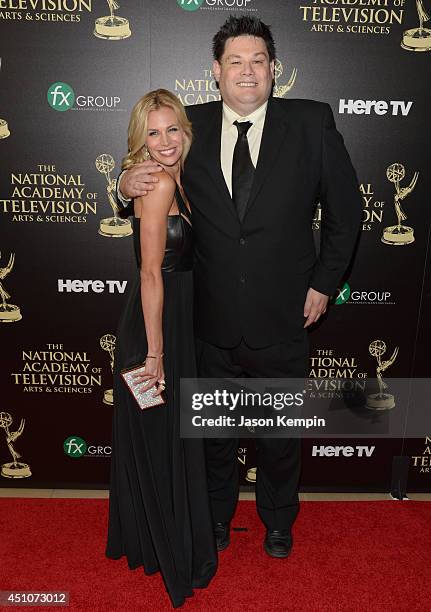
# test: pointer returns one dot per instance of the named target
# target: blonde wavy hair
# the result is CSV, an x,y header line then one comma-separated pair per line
x,y
138,124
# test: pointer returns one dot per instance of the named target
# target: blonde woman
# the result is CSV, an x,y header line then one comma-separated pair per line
x,y
159,515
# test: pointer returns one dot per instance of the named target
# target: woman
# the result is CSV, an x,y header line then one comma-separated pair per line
x,y
159,514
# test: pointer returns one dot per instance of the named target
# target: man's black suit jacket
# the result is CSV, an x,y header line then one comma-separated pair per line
x,y
251,278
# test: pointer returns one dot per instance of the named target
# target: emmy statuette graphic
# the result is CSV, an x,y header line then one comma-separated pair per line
x,y
9,313
107,342
281,90
4,128
111,227
112,27
399,235
418,39
15,468
251,475
381,400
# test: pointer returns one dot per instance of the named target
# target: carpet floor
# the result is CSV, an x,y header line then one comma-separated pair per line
x,y
347,556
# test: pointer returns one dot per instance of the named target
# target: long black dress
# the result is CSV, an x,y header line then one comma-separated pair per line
x,y
159,514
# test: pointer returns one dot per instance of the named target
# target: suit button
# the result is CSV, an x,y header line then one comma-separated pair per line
x,y
242,241
242,280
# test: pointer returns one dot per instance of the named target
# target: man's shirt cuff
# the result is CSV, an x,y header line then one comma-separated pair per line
x,y
124,201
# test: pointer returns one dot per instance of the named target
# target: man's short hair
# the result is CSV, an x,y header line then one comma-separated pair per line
x,y
243,26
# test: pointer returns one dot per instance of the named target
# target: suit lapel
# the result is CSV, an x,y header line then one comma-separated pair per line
x,y
274,133
210,152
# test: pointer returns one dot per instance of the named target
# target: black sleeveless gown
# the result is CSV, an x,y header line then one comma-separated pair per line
x,y
159,514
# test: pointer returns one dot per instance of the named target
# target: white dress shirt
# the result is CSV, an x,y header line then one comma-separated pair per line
x,y
229,136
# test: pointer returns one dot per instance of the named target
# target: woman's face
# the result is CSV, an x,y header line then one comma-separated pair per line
x,y
165,138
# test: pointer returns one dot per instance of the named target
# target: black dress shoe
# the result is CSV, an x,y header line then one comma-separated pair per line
x,y
278,543
222,535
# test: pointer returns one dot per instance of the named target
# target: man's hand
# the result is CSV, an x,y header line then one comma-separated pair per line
x,y
315,305
139,179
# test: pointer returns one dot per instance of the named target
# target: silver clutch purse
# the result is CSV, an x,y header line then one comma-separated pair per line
x,y
142,395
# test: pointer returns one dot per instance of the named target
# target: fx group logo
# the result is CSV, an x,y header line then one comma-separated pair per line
x,y
77,447
189,5
215,5
60,96
345,294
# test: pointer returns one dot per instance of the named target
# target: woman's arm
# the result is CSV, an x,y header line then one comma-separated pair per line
x,y
153,211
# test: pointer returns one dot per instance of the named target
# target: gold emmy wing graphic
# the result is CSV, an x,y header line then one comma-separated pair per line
x,y
251,475
281,90
9,313
15,468
418,39
112,27
111,227
4,128
399,235
107,342
381,400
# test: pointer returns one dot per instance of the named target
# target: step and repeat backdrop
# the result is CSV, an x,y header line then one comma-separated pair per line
x,y
71,70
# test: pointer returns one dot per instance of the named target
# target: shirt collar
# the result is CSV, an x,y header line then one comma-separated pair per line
x,y
257,117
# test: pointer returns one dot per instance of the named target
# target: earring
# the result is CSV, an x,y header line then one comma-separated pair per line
x,y
146,153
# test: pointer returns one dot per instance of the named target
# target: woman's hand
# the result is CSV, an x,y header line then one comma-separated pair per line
x,y
154,373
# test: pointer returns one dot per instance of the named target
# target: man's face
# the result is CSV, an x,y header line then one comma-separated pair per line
x,y
244,73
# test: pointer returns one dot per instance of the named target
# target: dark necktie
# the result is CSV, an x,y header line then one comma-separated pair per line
x,y
242,169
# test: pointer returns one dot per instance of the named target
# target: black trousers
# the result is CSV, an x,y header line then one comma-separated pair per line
x,y
278,459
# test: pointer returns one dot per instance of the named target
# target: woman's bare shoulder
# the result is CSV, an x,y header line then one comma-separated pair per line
x,y
162,194
165,183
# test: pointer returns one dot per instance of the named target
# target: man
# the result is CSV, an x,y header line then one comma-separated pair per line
x,y
256,169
